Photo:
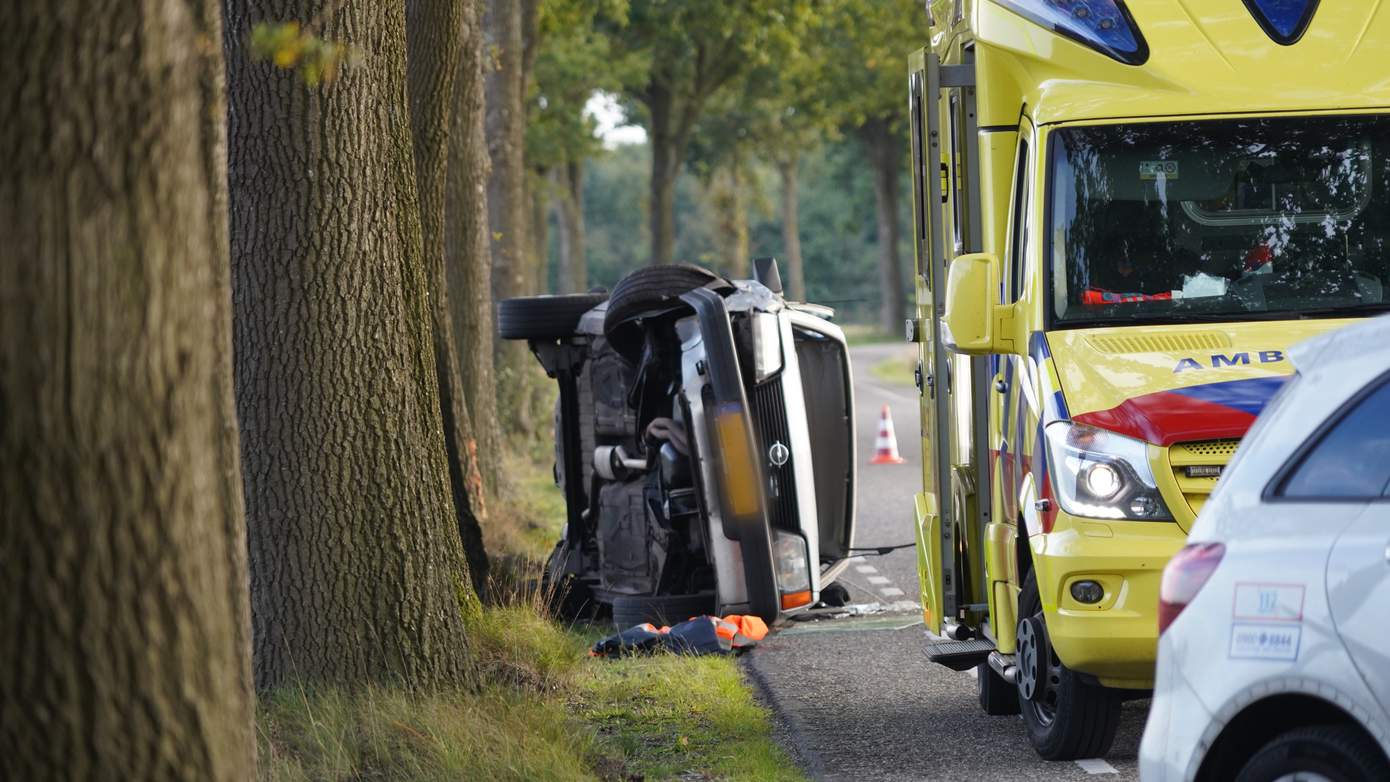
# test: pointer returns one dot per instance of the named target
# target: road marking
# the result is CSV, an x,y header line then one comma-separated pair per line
x,y
865,569
972,672
1096,766
890,592
878,580
856,559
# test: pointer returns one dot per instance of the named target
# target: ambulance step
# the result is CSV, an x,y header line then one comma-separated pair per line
x,y
959,655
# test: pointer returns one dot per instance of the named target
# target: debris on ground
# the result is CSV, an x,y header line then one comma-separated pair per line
x,y
733,634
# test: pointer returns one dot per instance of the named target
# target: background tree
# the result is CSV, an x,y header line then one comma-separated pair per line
x,y
692,50
434,39
573,62
467,243
868,43
124,581
356,564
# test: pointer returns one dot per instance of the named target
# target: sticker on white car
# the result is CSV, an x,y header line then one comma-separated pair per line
x,y
1268,602
1271,641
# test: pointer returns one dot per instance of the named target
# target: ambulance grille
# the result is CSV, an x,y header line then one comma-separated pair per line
x,y
1202,454
1159,343
770,420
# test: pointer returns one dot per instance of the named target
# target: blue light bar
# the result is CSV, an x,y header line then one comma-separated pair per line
x,y
1103,25
1283,20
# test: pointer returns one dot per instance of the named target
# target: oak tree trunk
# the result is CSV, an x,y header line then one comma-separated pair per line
x,y
123,583
467,247
506,138
569,203
434,30
791,230
667,152
357,570
884,152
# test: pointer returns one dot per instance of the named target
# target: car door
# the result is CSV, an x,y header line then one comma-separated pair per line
x,y
1347,471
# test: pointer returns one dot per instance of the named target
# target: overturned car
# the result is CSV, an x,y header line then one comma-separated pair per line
x,y
705,443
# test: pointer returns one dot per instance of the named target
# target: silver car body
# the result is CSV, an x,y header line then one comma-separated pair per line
x,y
1297,611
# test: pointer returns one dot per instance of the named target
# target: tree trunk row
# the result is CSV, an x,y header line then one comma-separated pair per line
x,y
885,157
122,586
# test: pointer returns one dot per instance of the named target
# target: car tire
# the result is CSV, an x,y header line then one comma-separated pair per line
x,y
660,610
997,697
1074,719
651,289
544,317
1340,753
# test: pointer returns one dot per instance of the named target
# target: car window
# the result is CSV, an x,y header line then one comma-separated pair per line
x,y
1352,460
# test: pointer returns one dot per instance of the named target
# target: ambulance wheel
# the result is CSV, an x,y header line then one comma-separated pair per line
x,y
661,610
997,697
1338,753
1066,717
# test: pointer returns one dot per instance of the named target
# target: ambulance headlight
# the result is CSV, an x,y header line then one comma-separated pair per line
x,y
1102,475
767,346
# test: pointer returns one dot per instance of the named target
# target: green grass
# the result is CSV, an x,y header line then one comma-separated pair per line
x,y
538,707
866,334
665,717
896,370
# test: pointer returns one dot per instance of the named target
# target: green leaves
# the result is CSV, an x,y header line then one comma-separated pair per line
x,y
292,47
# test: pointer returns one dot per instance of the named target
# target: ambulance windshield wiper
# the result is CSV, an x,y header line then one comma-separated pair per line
x,y
1347,310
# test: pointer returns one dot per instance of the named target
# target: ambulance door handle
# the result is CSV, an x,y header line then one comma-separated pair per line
x,y
1001,386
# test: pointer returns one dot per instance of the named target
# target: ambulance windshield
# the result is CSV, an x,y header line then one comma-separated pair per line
x,y
1220,220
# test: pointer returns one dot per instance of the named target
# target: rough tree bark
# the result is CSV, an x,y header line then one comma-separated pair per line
x,y
884,152
508,205
357,570
122,586
434,37
791,229
467,248
668,140
569,208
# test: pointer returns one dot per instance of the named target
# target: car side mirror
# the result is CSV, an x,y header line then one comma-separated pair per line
x,y
972,285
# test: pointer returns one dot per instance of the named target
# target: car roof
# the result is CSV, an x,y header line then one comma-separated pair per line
x,y
1351,352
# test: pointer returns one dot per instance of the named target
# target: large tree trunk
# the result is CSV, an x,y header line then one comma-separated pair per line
x,y
467,247
884,153
791,229
434,36
123,587
667,151
569,206
508,206
356,563
538,268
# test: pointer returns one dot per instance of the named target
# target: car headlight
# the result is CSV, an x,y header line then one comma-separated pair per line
x,y
793,569
767,346
1103,475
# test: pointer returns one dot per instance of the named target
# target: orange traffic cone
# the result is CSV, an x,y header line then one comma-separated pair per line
x,y
886,444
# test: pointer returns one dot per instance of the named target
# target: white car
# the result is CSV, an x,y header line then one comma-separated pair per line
x,y
1274,653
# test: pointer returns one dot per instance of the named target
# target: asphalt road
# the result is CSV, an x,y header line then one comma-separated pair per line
x,y
855,698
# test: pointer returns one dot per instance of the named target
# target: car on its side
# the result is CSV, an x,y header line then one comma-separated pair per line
x,y
704,443
1274,620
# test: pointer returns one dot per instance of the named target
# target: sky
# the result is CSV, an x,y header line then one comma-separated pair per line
x,y
612,125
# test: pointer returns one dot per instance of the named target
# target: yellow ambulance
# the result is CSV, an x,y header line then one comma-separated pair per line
x,y
1126,211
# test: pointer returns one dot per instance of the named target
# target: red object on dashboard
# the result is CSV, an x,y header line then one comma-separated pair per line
x,y
1093,297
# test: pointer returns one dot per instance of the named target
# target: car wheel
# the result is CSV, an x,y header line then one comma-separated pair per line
x,y
1337,753
997,696
648,290
544,317
660,610
1066,717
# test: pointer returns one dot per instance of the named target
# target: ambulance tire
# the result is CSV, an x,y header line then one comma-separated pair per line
x,y
662,610
544,317
997,697
1080,721
1340,753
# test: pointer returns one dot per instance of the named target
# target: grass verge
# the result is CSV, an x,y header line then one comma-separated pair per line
x,y
538,707
896,370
